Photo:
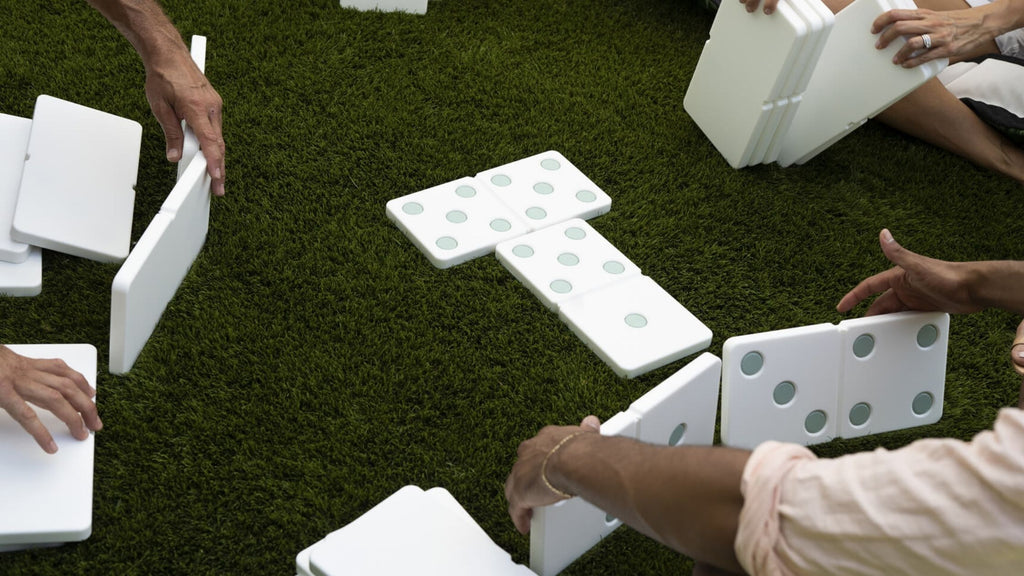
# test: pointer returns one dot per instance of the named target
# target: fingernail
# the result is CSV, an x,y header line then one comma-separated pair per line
x,y
173,154
768,11
217,173
877,44
51,448
887,236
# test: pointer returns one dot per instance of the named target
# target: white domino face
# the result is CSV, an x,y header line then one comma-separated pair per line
x,y
77,190
732,90
14,134
561,533
850,64
156,267
25,278
412,532
46,499
682,409
564,260
893,372
781,385
455,222
634,325
546,189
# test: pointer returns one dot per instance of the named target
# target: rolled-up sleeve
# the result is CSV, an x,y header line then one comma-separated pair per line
x,y
933,507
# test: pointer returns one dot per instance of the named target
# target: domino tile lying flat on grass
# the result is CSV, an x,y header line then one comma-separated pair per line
x,y
25,278
46,498
412,532
14,132
893,372
563,260
852,81
781,385
732,89
634,325
562,532
682,409
77,190
190,144
455,222
156,267
546,189
411,6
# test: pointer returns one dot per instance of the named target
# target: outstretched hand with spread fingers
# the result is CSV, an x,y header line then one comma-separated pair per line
x,y
915,283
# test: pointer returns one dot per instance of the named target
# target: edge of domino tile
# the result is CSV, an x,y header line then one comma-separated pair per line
x,y
16,131
705,367
29,275
190,143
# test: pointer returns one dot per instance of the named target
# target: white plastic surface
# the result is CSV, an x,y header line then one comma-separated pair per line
x,y
733,87
807,357
897,369
546,189
24,278
455,222
157,265
562,532
190,144
412,532
564,260
77,191
852,81
411,6
46,499
602,318
683,408
14,132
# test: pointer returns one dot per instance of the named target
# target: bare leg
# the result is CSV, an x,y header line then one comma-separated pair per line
x,y
934,115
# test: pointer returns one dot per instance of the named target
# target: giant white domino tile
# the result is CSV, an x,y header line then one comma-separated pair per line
x,y
455,222
25,278
851,66
682,409
411,6
732,90
157,265
563,260
190,144
893,372
77,190
562,532
46,499
13,147
410,532
546,189
781,385
634,325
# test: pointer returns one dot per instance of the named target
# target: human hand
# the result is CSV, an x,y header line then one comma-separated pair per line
x,y
1017,350
949,34
49,384
769,5
526,488
177,90
915,283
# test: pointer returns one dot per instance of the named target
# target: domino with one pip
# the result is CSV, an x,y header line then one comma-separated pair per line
x,y
46,498
77,190
563,260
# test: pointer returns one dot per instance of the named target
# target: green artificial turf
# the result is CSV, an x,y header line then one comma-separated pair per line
x,y
313,361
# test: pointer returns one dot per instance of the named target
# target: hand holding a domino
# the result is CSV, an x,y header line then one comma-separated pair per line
x,y
954,34
51,385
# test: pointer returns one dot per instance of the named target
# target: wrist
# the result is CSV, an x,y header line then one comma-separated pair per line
x,y
563,459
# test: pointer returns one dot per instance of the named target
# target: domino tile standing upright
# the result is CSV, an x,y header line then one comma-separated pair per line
x,y
13,147
781,385
893,372
46,498
852,81
77,190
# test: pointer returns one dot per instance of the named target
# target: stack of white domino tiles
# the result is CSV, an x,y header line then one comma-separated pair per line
x,y
411,532
531,213
46,499
66,184
787,86
811,384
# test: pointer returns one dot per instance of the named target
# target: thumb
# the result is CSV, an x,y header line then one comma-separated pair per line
x,y
593,422
897,254
171,126
1017,351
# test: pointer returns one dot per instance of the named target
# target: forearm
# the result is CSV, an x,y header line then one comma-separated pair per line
x,y
144,24
998,284
1003,16
686,497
